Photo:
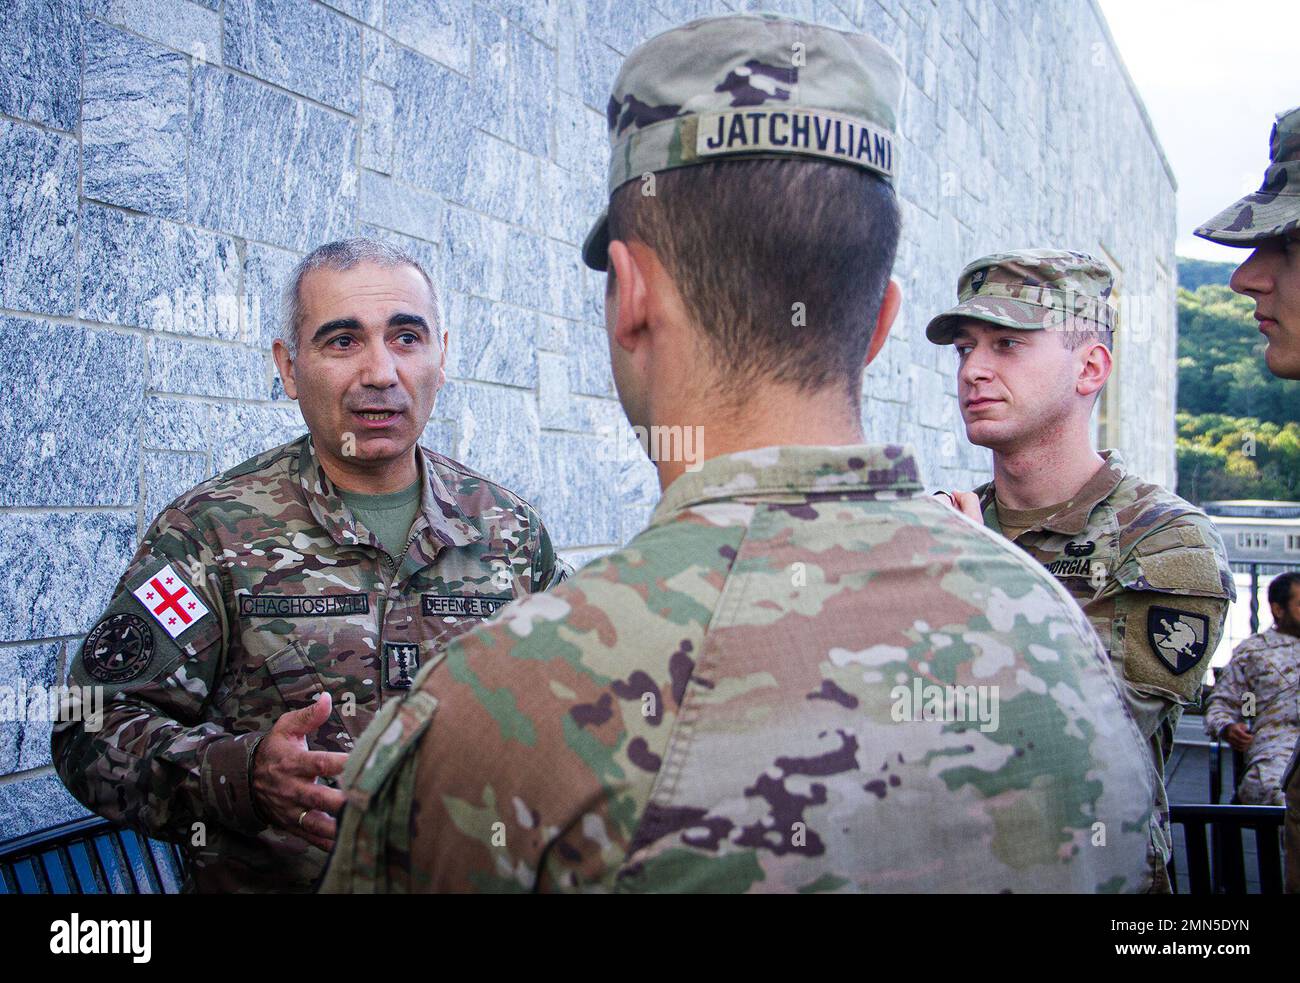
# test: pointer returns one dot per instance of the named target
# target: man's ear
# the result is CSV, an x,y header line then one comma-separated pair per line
x,y
284,364
889,306
1094,370
629,287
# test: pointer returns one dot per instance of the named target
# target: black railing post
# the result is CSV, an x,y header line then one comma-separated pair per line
x,y
1254,598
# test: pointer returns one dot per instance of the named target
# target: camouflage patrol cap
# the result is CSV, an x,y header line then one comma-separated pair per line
x,y
1032,290
750,85
1274,209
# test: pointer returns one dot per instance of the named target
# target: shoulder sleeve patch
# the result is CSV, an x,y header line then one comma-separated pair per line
x,y
1168,641
118,649
165,610
171,602
1178,638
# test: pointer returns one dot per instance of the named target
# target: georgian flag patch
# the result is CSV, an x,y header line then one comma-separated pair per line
x,y
170,600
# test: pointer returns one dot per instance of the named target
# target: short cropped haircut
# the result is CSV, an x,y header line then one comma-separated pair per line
x,y
1076,339
340,255
781,263
1279,588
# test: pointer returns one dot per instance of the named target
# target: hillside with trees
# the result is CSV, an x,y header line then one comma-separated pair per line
x,y
1238,425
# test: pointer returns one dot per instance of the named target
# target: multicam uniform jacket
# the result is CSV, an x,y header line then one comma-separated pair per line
x,y
752,695
1260,687
1150,571
250,595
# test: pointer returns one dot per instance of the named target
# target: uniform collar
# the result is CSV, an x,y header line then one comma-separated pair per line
x,y
440,522
888,470
1279,639
1073,516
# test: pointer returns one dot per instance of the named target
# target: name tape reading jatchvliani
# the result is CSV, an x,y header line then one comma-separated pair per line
x,y
802,131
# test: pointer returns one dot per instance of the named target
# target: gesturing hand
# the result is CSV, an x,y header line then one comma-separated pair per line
x,y
285,772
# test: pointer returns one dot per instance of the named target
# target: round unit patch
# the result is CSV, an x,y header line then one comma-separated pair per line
x,y
119,648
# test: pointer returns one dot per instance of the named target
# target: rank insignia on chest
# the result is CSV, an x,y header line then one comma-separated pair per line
x,y
1080,549
171,602
401,662
1178,638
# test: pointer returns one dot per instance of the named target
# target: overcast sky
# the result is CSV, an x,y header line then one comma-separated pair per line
x,y
1213,75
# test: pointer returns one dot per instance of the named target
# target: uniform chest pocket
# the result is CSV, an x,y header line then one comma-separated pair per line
x,y
293,676
294,680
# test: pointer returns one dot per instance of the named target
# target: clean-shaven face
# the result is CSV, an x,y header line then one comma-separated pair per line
x,y
368,363
1271,278
1011,384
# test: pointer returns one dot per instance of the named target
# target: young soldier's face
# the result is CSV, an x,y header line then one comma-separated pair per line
x,y
369,366
1012,385
1271,278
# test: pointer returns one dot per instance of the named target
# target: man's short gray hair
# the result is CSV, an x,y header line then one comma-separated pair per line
x,y
341,255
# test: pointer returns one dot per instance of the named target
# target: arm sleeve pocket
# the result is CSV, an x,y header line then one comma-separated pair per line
x,y
1182,561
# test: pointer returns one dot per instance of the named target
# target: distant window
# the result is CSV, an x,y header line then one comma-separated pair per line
x,y
1293,542
1254,540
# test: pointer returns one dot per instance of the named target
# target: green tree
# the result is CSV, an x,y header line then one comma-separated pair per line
x,y
1193,273
1237,457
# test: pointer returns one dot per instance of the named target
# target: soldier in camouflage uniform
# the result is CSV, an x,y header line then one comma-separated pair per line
x,y
1032,332
774,686
260,590
1255,705
1268,221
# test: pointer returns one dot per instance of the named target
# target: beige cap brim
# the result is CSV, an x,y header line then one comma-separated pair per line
x,y
942,328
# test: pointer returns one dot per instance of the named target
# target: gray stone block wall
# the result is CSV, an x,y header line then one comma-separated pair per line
x,y
166,161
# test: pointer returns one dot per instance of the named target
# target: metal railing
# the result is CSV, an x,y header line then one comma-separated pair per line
x,y
90,856
1216,855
